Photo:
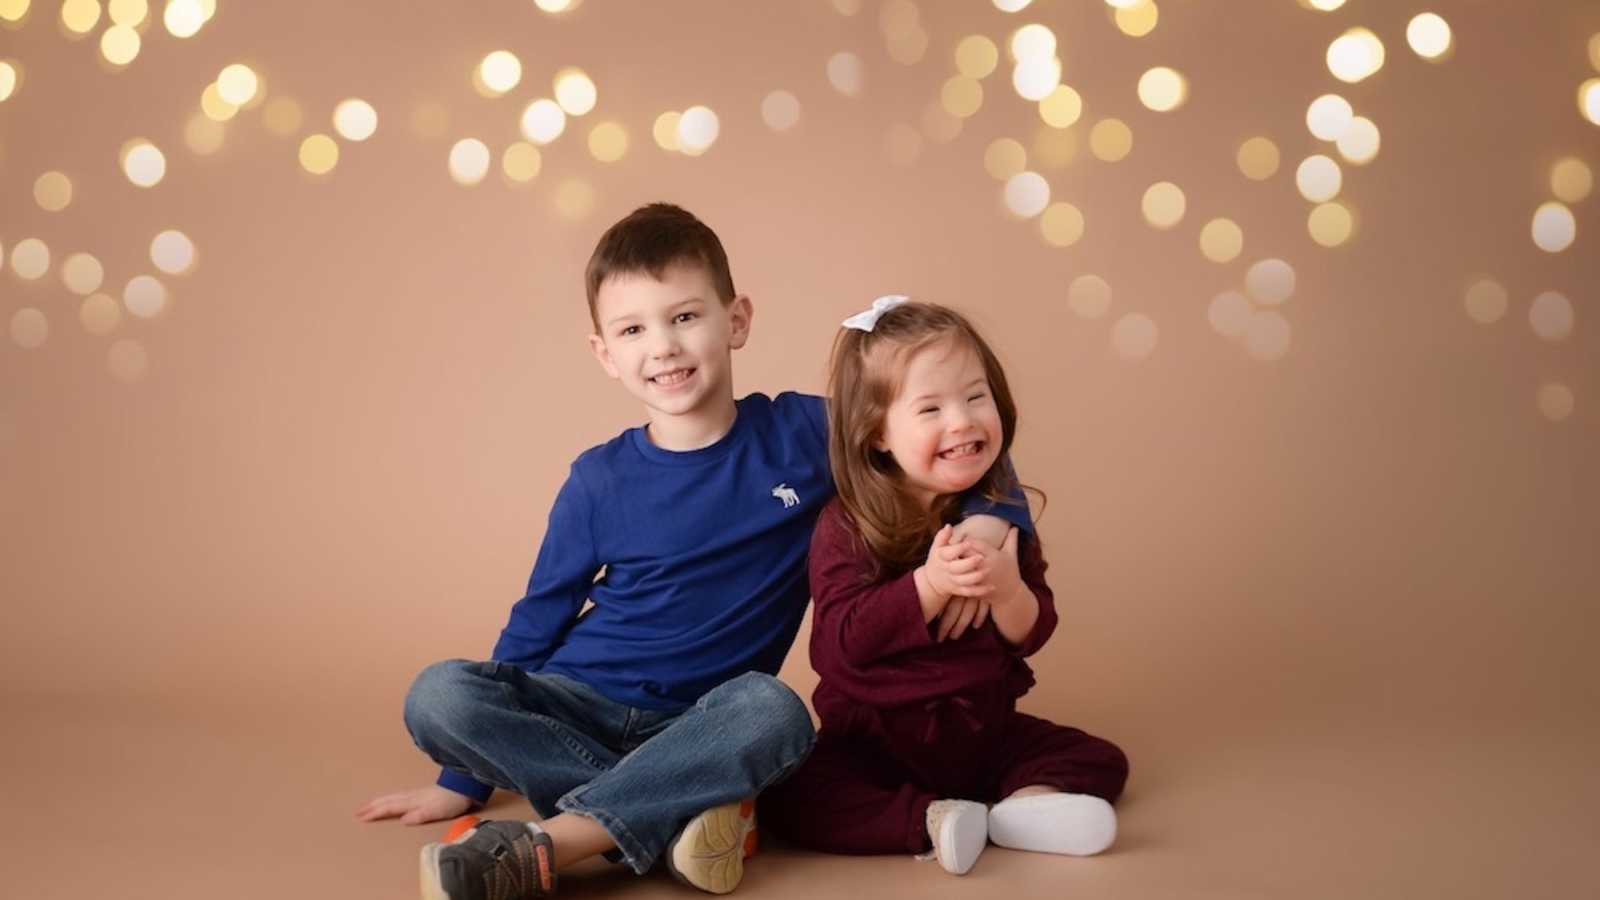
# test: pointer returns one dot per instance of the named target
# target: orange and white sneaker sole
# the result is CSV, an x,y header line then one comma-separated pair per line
x,y
709,853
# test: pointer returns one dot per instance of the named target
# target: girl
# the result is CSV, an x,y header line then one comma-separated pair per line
x,y
919,634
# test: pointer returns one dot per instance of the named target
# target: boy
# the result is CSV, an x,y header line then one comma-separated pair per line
x,y
642,726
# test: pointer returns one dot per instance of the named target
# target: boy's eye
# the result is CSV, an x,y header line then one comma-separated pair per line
x,y
684,317
628,331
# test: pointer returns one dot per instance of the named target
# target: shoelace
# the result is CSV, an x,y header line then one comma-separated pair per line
x,y
514,876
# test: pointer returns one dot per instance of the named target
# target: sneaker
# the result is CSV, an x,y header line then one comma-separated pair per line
x,y
1073,824
959,830
495,861
710,851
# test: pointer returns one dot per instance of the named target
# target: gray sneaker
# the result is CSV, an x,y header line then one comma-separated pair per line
x,y
494,861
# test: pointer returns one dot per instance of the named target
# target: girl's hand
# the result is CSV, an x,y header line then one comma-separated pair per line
x,y
958,569
960,614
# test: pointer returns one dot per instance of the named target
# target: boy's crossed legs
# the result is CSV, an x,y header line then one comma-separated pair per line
x,y
605,777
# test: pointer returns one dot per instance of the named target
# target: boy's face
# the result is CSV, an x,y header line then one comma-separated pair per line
x,y
670,341
943,428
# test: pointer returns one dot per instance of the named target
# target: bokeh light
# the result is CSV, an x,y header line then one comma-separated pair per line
x,y
575,91
521,162
1359,142
100,314
1110,140
665,130
145,297
1318,178
1011,6
608,142
1554,228
976,56
1027,194
1589,100
10,79
1570,180
698,129
780,110
1089,296
1322,5
1221,240
1258,159
214,106
1138,19
52,191
1267,335
1328,116
1229,313
143,163
172,252
1134,337
29,328
1163,89
1035,78
355,119
1555,401
1270,281
1062,108
1004,158
1062,224
961,96
238,84
184,18
80,16
1355,55
845,73
119,45
1551,316
543,121
82,274
469,161
1330,224
319,154
497,73
30,259
554,6
13,10
1485,301
1429,36
1032,42
131,13
1163,205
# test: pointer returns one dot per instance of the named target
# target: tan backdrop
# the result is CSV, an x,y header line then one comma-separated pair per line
x,y
328,459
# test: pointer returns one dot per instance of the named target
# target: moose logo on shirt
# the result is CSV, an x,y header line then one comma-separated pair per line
x,y
787,495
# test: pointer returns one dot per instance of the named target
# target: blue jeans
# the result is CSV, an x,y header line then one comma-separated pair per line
x,y
641,774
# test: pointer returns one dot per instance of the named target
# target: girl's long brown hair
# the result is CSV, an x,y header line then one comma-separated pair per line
x,y
864,375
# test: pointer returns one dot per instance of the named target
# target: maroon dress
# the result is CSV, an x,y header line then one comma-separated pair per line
x,y
907,720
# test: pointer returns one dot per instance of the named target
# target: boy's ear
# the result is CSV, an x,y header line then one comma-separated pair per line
x,y
740,312
597,346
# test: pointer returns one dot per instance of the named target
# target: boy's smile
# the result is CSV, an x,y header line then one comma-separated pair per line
x,y
670,341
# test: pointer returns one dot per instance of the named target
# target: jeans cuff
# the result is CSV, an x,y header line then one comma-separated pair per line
x,y
633,853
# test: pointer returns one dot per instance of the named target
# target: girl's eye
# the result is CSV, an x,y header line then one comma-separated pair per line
x,y
927,409
978,396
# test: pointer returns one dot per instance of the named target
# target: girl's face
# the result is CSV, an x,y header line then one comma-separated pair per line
x,y
942,428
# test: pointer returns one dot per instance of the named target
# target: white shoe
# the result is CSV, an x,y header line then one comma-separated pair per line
x,y
959,830
1073,824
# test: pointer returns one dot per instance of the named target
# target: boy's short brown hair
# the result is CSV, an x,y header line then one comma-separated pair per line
x,y
650,239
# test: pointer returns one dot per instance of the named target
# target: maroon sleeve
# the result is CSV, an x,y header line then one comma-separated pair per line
x,y
1031,565
855,623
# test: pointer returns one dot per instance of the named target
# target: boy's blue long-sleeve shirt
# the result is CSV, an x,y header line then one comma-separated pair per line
x,y
700,557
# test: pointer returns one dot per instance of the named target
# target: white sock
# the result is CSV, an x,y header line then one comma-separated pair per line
x,y
1072,824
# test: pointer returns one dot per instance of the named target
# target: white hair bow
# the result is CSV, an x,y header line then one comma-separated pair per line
x,y
866,321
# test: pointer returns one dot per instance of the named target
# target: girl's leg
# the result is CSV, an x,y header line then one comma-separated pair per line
x,y
1056,789
839,801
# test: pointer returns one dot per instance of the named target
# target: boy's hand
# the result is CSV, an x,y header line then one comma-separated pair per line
x,y
960,614
955,569
417,807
